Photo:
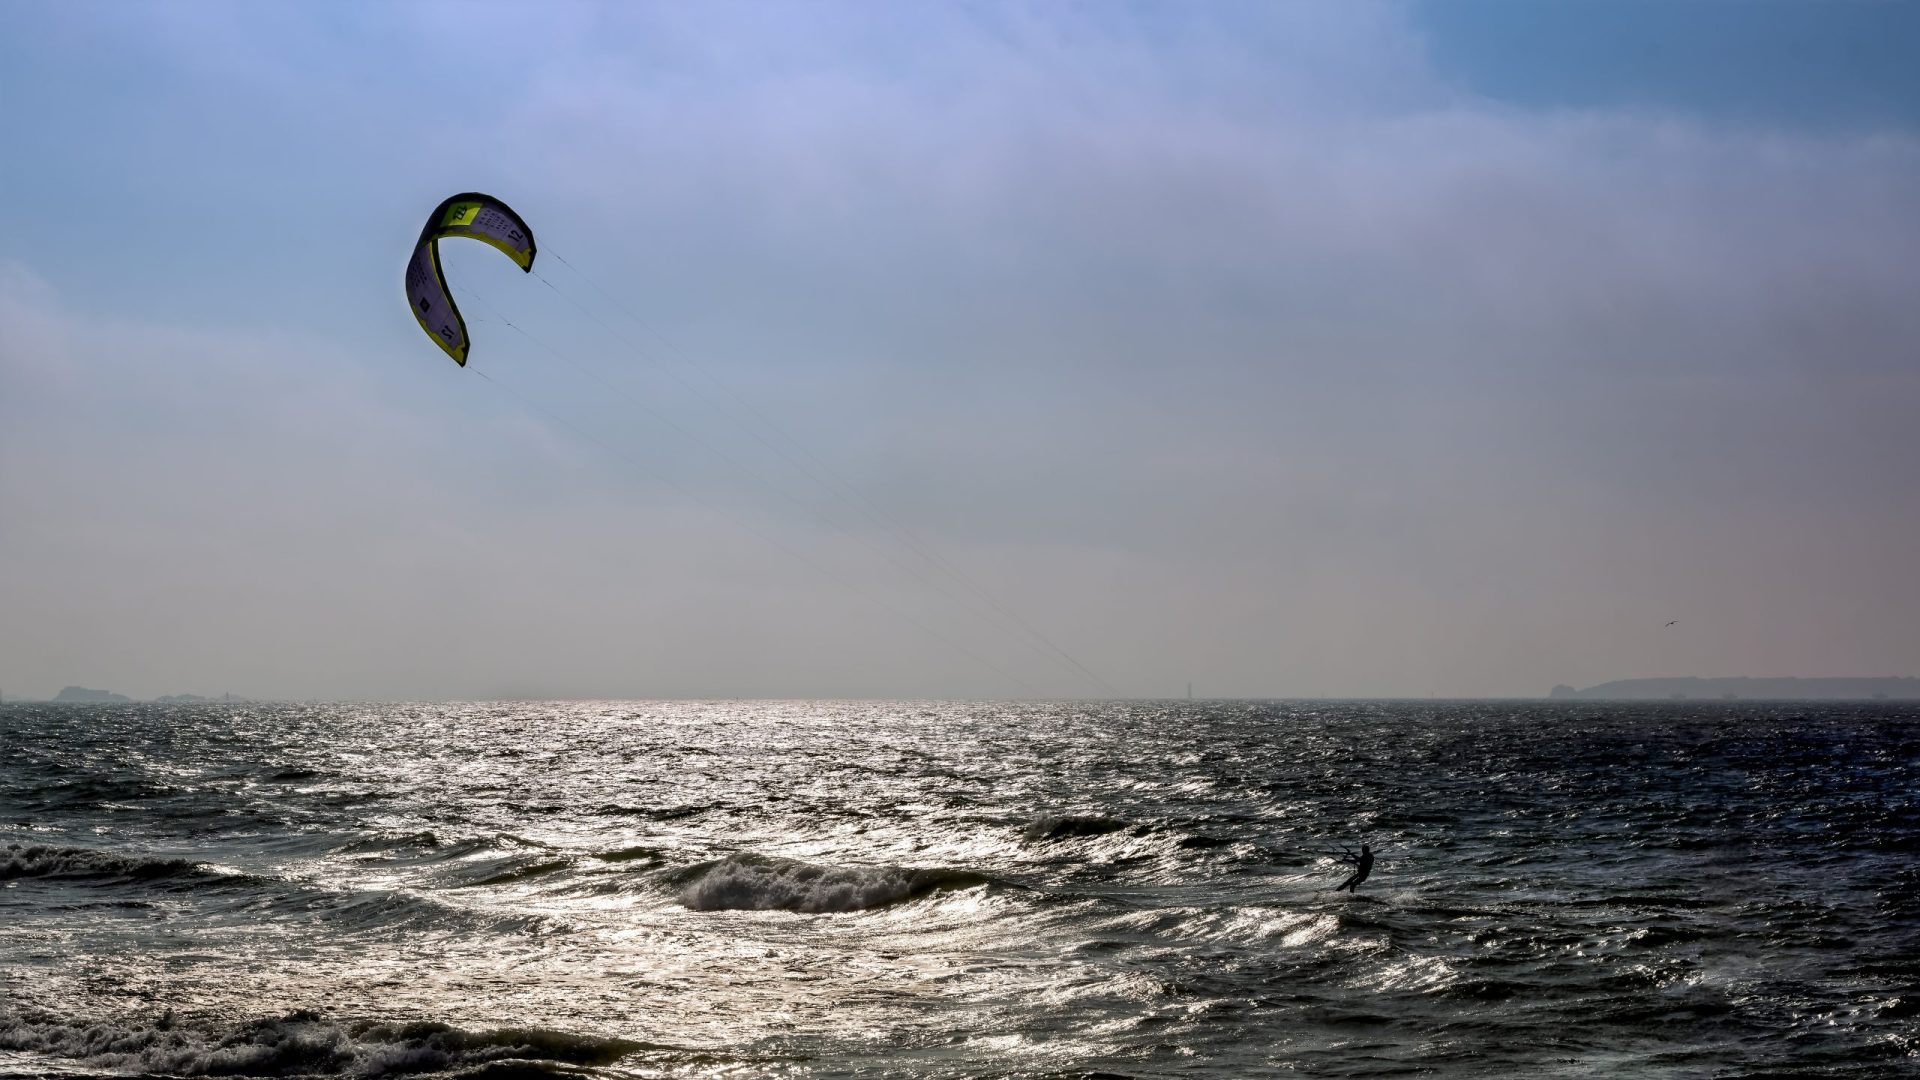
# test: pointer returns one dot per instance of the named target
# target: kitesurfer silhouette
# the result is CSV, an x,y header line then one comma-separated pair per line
x,y
1362,864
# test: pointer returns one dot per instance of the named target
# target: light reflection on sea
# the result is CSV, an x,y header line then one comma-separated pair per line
x,y
965,890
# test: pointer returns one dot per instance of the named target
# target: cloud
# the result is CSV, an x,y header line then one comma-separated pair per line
x,y
210,510
1233,343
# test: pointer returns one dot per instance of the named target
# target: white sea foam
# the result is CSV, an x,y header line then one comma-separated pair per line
x,y
301,1043
759,883
45,861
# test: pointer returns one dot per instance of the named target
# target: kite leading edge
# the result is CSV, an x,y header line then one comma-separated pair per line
x,y
476,216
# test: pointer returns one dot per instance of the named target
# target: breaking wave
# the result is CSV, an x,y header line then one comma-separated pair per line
x,y
761,883
309,1044
234,893
18,861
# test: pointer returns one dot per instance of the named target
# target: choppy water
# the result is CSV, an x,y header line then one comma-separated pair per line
x,y
960,890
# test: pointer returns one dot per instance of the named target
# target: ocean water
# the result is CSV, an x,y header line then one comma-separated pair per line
x,y
865,889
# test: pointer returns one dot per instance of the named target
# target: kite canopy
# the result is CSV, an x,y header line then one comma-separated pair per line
x,y
480,217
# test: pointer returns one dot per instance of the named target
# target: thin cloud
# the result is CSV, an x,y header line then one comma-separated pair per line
x,y
1232,343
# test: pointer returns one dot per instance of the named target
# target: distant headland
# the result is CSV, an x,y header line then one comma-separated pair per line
x,y
80,695
83,696
1778,689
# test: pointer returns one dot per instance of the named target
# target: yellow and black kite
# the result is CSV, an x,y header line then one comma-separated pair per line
x,y
483,218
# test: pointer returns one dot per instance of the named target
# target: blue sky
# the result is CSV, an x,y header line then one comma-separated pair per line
x,y
1829,64
1291,349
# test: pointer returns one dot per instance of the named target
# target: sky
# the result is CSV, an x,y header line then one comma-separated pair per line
x,y
960,350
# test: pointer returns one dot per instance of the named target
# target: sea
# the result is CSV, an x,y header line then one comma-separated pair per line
x,y
960,889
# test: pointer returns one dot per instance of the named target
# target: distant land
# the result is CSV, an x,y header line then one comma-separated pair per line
x,y
1779,689
80,695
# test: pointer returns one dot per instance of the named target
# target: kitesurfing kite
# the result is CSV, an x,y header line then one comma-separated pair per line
x,y
471,214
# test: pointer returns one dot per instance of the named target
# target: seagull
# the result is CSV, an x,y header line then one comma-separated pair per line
x,y
1670,622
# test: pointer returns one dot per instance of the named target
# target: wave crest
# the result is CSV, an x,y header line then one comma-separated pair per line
x,y
91,864
308,1044
761,883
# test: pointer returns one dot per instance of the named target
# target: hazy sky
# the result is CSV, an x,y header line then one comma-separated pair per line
x,y
1316,349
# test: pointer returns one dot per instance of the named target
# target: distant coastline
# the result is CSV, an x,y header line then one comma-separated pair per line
x,y
1691,687
81,695
1892,688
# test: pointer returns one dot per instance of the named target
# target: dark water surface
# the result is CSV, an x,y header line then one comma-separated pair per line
x,y
960,890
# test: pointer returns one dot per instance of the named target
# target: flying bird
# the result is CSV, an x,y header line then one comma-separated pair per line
x,y
1671,622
